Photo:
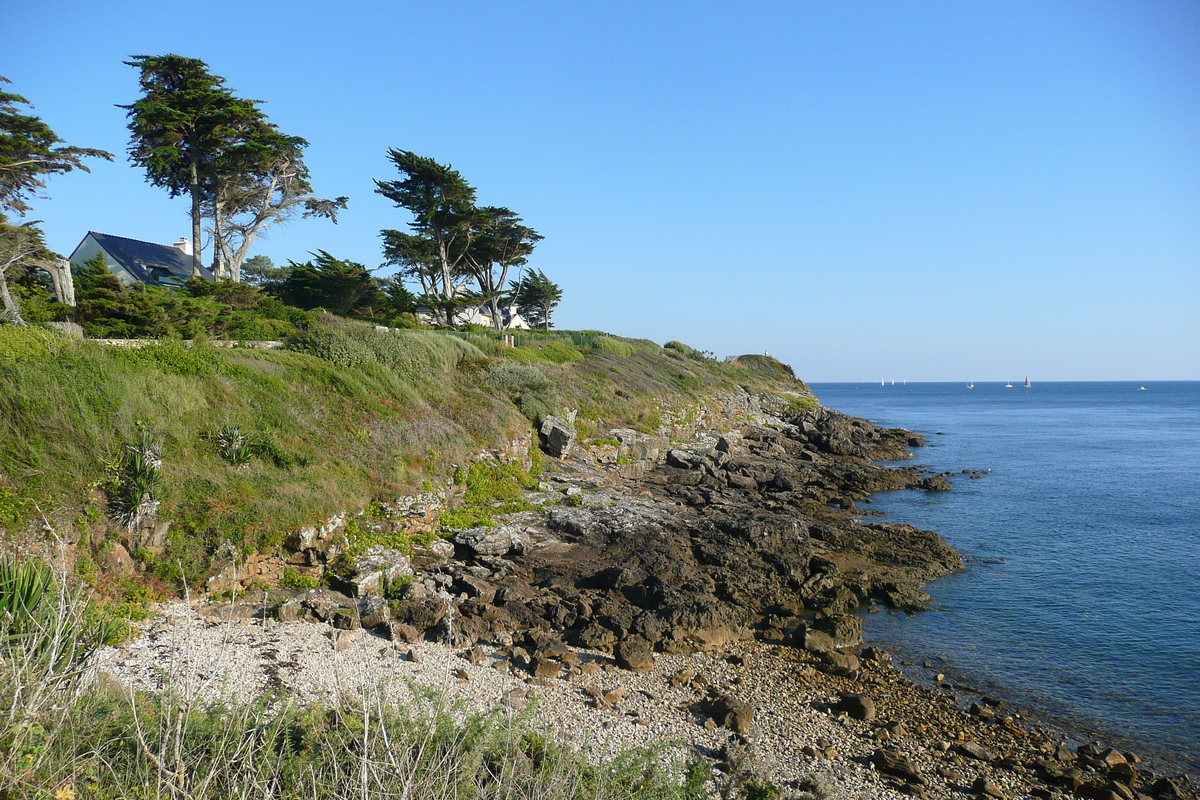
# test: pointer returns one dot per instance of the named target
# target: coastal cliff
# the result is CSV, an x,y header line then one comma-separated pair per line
x,y
677,551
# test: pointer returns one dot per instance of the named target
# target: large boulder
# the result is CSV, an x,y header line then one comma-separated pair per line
x,y
732,713
498,541
557,435
378,567
637,446
633,654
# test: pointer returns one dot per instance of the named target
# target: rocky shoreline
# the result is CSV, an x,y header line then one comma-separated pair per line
x,y
697,585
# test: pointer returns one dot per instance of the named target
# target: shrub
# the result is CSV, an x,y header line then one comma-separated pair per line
x,y
560,353
616,346
295,580
28,344
524,355
526,386
409,353
173,357
685,350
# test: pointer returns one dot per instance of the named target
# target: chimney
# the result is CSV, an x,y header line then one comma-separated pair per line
x,y
185,245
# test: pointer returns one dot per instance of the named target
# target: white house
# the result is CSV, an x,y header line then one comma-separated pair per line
x,y
132,260
476,315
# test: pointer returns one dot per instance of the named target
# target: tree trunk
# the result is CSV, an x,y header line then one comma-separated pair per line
x,y
196,237
60,275
12,311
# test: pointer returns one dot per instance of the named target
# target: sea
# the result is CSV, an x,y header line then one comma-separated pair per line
x,y
1080,601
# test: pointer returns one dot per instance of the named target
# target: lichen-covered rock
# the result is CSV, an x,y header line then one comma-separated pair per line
x,y
557,435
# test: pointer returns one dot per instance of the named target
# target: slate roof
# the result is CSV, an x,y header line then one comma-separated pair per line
x,y
139,258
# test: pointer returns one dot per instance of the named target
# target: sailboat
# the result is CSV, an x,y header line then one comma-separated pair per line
x,y
1008,386
970,384
1028,385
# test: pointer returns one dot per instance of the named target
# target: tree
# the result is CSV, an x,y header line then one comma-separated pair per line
x,y
501,243
30,151
445,223
264,183
343,287
194,137
260,269
536,297
181,127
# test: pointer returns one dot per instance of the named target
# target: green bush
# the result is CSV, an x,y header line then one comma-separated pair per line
x,y
295,580
611,345
411,354
524,355
174,357
685,350
560,353
28,344
526,386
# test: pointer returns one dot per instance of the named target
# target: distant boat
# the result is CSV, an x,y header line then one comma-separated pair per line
x,y
893,381
882,382
971,385
1028,385
1141,388
1008,386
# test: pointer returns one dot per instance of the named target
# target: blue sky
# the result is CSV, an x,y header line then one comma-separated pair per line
x,y
911,190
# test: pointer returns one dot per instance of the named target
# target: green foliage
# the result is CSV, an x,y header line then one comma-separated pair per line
x,y
492,490
560,353
103,745
684,350
537,462
526,386
767,365
30,151
610,345
34,621
343,287
295,580
28,344
174,357
524,355
797,405
536,297
136,476
412,354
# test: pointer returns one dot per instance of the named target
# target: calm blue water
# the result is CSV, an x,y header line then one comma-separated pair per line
x,y
1081,597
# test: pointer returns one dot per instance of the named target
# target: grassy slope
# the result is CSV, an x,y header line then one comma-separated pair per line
x,y
358,415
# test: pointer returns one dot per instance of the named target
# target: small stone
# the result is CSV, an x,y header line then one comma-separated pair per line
x,y
976,751
413,656
462,674
590,668
984,787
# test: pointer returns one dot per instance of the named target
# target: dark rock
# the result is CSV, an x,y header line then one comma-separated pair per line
x,y
732,713
985,788
893,762
844,630
858,706
401,632
841,662
634,655
976,751
347,621
934,483
373,611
